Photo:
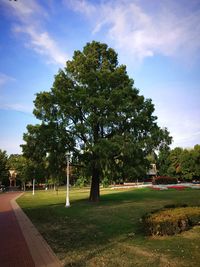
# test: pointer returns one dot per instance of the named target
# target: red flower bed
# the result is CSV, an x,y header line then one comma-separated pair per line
x,y
177,187
155,188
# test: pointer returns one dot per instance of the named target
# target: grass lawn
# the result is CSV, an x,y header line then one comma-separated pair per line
x,y
110,233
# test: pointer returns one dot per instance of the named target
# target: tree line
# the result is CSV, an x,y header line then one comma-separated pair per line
x,y
180,163
183,164
25,169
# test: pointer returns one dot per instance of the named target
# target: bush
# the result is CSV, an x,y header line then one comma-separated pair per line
x,y
81,181
171,221
105,182
164,180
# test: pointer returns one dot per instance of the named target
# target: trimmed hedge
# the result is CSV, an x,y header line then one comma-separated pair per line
x,y
171,221
164,180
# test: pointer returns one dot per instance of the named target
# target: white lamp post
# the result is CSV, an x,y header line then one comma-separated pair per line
x,y
33,186
67,193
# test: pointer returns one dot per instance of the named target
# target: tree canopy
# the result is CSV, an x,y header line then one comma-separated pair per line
x,y
181,163
25,168
94,110
4,170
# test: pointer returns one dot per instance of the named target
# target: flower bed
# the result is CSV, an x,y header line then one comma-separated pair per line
x,y
177,187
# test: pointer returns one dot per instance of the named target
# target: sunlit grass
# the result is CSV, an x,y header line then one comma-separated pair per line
x,y
109,233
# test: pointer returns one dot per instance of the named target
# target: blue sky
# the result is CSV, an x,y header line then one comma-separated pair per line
x,y
158,41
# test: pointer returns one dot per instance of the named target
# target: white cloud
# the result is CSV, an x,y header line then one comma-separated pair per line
x,y
5,79
30,16
17,107
42,43
25,9
171,30
81,6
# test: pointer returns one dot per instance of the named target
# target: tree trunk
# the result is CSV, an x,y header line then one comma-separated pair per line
x,y
94,190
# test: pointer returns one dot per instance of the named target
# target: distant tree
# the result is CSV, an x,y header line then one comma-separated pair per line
x,y
26,169
163,161
187,164
180,163
174,169
19,164
95,106
190,163
4,170
196,157
47,145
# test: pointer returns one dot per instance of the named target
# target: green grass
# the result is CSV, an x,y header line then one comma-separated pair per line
x,y
110,233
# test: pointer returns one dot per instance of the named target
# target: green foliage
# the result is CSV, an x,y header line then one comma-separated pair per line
x,y
196,157
94,108
165,180
171,221
187,165
26,169
163,161
4,169
81,181
105,182
175,162
46,147
181,163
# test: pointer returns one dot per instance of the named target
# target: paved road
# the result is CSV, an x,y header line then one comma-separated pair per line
x,y
14,251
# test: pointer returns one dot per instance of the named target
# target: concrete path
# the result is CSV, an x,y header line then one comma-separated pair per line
x,y
21,245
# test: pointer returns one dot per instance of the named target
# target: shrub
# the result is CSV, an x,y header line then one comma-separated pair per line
x,y
81,181
164,180
105,182
171,221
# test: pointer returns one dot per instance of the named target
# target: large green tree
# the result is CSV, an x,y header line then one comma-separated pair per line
x,y
4,170
94,104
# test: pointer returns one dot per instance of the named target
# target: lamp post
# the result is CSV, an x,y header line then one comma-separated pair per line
x,y
33,186
33,182
67,185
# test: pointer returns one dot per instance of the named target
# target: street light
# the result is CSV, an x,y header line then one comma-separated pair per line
x,y
33,186
33,182
67,193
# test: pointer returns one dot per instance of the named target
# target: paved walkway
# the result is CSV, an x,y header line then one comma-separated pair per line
x,y
21,245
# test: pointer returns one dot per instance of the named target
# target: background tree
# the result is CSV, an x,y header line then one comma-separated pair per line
x,y
26,169
196,157
187,164
163,161
4,170
181,163
174,169
94,104
46,145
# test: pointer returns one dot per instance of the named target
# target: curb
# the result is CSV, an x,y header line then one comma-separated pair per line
x,y
40,251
